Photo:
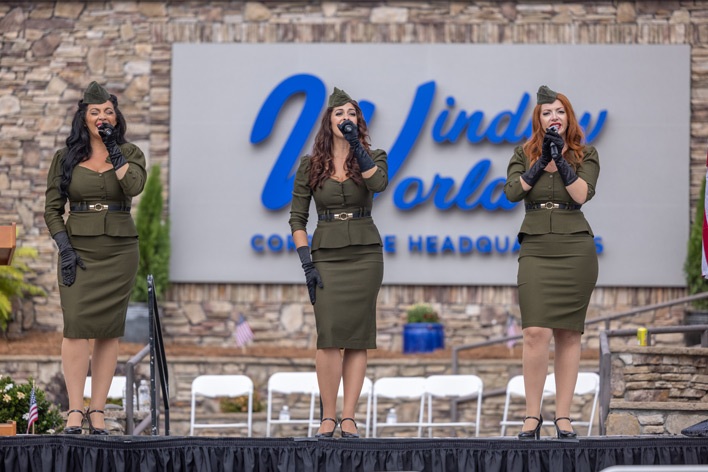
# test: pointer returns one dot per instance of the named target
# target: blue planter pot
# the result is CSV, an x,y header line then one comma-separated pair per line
x,y
423,337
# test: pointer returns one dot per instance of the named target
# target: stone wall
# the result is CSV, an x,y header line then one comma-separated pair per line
x,y
657,390
51,50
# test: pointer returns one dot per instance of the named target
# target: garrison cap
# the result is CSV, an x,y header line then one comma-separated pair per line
x,y
338,98
95,94
545,95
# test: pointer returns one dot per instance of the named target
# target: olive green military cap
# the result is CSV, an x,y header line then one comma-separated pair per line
x,y
96,94
338,98
545,95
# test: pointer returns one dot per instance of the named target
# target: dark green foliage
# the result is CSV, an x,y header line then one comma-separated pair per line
x,y
13,284
14,405
422,313
692,267
154,234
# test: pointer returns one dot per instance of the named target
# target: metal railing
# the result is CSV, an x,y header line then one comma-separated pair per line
x,y
604,319
158,374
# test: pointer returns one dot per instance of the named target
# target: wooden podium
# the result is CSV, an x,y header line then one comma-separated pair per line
x,y
8,243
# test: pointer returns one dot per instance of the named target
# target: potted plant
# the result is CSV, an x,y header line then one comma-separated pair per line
x,y
154,242
697,313
423,331
13,285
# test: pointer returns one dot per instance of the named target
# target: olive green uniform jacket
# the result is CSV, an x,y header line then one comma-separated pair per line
x,y
95,187
338,197
550,188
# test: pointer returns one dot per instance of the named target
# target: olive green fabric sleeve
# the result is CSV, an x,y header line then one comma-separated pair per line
x,y
517,165
302,194
134,179
54,202
379,181
589,170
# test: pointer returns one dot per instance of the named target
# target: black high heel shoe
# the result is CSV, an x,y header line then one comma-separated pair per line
x,y
346,434
92,430
75,429
330,433
563,434
534,433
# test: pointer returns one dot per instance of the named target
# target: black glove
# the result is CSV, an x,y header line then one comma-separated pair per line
x,y
532,175
69,259
108,136
351,133
312,276
552,137
566,172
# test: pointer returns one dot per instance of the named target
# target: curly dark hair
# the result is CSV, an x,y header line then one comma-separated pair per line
x,y
79,142
321,166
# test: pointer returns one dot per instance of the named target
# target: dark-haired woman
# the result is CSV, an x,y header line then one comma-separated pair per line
x,y
344,266
98,173
555,173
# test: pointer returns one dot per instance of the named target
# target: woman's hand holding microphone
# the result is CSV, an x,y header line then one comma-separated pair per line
x,y
108,136
351,134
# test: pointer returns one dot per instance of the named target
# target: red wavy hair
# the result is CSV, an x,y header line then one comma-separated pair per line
x,y
574,136
321,164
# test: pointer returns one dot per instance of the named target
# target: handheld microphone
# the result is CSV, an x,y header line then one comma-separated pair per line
x,y
105,129
348,128
554,148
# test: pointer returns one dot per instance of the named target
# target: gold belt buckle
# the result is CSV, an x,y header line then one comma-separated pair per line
x,y
343,216
550,205
98,206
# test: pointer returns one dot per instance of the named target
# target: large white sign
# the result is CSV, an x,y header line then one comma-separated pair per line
x,y
449,117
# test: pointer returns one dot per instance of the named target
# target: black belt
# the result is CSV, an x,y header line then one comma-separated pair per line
x,y
552,206
344,216
84,206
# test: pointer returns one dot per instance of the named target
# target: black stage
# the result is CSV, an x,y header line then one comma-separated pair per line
x,y
177,454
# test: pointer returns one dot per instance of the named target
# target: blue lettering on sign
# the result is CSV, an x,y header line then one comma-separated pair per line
x,y
474,192
417,244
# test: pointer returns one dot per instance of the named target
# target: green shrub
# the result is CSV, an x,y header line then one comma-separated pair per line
x,y
240,404
14,405
13,284
422,313
693,265
154,239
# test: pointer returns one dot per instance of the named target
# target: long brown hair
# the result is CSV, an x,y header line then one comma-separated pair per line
x,y
321,164
574,137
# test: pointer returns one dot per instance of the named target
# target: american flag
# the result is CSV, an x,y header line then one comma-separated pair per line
x,y
704,263
243,333
33,411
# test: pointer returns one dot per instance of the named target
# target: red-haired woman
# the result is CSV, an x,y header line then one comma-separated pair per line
x,y
555,173
344,267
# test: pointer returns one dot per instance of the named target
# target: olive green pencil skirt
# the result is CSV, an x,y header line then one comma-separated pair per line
x,y
94,307
557,274
345,309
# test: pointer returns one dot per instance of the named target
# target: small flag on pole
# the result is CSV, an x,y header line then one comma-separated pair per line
x,y
33,411
704,261
512,329
243,333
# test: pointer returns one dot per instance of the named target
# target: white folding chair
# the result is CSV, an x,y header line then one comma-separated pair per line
x,y
588,383
453,386
212,386
115,391
515,388
398,388
289,383
366,389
